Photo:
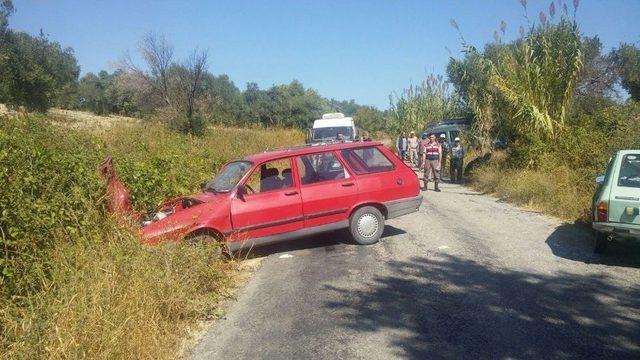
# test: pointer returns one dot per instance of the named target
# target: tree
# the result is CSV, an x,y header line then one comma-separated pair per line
x,y
35,72
224,102
175,86
627,60
6,9
598,75
420,105
370,118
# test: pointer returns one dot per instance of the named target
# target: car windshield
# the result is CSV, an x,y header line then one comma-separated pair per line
x,y
229,176
630,171
332,132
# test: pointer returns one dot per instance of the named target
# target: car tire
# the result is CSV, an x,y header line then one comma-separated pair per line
x,y
205,239
366,225
601,243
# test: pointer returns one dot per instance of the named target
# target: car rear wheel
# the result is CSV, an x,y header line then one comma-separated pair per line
x,y
601,243
366,225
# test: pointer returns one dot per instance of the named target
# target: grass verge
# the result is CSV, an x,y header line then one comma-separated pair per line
x,y
75,284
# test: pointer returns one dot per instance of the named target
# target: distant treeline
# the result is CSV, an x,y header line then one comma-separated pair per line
x,y
36,74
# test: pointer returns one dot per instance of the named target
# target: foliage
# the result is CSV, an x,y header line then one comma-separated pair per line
x,y
6,8
563,182
370,118
471,77
104,94
418,106
536,78
224,103
36,73
50,189
74,284
598,76
551,93
168,164
627,59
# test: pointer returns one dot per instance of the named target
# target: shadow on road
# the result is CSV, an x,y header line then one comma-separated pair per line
x,y
575,242
449,307
328,240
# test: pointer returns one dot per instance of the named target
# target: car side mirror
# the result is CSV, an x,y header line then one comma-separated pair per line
x,y
241,192
600,179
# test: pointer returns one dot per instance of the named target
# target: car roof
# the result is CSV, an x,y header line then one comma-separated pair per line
x,y
628,151
307,149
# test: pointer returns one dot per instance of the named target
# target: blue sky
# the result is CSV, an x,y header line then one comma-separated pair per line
x,y
360,50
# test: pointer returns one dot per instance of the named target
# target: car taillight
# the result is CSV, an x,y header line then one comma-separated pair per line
x,y
603,212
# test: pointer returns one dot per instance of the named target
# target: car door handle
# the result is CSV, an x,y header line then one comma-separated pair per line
x,y
289,193
348,184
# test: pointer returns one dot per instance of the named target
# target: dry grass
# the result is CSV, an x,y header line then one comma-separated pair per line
x,y
558,191
97,292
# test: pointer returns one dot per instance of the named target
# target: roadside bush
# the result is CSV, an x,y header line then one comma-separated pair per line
x,y
75,284
156,163
561,182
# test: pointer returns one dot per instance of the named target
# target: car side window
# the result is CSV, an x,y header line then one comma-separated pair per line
x,y
320,167
630,171
273,175
366,160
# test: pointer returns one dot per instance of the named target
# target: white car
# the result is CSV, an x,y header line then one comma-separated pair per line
x,y
616,202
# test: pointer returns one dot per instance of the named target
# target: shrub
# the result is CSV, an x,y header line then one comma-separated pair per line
x,y
74,284
561,181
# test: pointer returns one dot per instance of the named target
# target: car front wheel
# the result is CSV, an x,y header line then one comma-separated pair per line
x,y
601,242
366,225
209,243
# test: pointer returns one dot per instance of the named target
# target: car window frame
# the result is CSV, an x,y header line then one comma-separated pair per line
x,y
336,154
393,164
295,183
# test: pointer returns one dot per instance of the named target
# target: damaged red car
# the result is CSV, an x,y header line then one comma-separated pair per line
x,y
286,194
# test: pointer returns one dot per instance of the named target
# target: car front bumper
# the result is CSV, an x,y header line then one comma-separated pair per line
x,y
397,208
622,229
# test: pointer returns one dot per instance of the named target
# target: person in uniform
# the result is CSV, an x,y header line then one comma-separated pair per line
x,y
432,157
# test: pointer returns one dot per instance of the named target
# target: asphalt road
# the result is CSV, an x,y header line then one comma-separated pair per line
x,y
467,276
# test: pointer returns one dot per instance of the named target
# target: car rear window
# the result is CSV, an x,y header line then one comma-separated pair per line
x,y
630,171
367,160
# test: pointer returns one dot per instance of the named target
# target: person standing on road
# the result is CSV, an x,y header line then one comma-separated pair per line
x,y
432,159
401,145
366,137
413,148
457,159
421,143
445,152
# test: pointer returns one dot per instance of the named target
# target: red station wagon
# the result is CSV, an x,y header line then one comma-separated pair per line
x,y
285,194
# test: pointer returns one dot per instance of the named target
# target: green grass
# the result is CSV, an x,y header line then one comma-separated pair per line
x,y
556,190
76,284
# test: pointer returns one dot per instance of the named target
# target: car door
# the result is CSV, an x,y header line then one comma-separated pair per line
x,y
327,189
271,204
624,199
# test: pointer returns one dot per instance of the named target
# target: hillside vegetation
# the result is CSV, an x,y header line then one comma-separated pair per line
x,y
562,104
75,284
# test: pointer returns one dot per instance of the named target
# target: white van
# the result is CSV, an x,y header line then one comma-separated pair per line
x,y
328,128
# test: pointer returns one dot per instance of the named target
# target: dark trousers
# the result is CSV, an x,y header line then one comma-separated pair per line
x,y
455,170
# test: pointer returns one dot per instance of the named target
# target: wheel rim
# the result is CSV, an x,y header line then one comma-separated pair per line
x,y
368,225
